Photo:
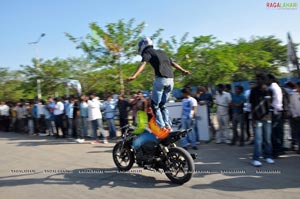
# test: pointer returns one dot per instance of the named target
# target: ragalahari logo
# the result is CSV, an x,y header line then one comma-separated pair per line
x,y
282,5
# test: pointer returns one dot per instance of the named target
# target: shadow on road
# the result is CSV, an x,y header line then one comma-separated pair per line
x,y
92,178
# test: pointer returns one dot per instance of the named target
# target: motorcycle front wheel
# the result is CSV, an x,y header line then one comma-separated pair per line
x,y
181,165
123,157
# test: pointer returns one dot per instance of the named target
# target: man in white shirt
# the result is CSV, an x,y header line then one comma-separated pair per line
x,y
189,110
277,116
95,116
294,107
223,99
4,116
58,117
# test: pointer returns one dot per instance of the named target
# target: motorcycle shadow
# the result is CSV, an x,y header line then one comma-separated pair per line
x,y
94,178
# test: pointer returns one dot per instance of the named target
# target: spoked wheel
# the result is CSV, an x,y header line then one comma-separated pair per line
x,y
123,157
181,166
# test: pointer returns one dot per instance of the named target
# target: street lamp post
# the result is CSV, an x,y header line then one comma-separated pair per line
x,y
38,81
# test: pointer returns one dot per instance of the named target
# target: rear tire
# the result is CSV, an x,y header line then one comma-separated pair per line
x,y
123,157
181,166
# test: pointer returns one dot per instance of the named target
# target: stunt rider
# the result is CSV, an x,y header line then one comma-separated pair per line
x,y
164,79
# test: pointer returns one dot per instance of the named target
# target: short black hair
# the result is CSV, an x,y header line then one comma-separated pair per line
x,y
187,90
221,86
240,87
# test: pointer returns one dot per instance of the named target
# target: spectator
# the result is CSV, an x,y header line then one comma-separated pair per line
x,y
123,107
227,88
49,115
4,116
260,99
84,119
109,115
134,108
48,119
189,110
223,99
13,116
20,126
237,104
65,121
58,117
277,116
247,110
30,119
72,114
294,108
95,116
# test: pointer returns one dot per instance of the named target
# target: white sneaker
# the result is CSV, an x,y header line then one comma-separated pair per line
x,y
228,142
256,163
269,160
80,140
105,142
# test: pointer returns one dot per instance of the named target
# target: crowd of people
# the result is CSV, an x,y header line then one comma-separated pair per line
x,y
256,116
70,117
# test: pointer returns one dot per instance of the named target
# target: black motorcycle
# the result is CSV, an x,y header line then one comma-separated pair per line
x,y
164,156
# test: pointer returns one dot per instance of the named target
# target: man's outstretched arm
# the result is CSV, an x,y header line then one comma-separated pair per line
x,y
177,66
138,71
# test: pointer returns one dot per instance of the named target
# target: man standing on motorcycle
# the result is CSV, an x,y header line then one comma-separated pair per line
x,y
164,79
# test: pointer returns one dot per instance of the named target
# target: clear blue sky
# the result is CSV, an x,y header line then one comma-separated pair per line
x,y
22,21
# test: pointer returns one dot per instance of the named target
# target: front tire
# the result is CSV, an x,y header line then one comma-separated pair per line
x,y
181,167
123,157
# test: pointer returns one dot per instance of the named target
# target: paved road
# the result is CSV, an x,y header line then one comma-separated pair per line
x,y
39,167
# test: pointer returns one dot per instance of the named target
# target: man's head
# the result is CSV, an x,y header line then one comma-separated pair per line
x,y
143,44
239,89
261,79
186,92
140,95
50,99
220,88
109,98
271,79
83,98
252,84
227,88
120,97
92,95
201,90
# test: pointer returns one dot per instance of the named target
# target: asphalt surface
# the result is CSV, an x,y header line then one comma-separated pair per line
x,y
44,167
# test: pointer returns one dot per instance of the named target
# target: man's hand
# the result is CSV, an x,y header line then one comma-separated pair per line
x,y
130,78
186,72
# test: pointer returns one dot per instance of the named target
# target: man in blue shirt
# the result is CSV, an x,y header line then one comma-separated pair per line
x,y
109,115
237,104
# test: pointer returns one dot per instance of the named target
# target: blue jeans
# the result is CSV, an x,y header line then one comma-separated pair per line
x,y
111,127
97,124
262,134
162,87
186,124
146,136
84,127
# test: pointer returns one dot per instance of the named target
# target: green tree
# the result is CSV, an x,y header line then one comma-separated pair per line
x,y
50,72
11,82
112,46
